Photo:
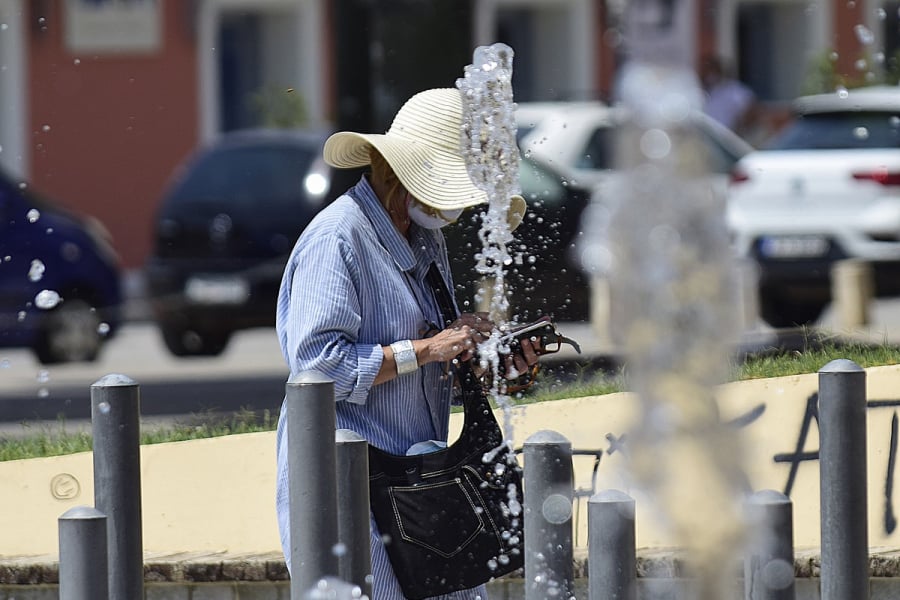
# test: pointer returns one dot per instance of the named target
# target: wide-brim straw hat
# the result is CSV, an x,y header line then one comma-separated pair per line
x,y
423,149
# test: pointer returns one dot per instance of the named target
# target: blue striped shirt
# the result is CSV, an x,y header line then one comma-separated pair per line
x,y
353,284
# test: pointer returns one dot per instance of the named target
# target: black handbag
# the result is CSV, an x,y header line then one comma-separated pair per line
x,y
451,519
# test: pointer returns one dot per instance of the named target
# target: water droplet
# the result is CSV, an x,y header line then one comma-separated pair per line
x,y
861,133
43,392
861,64
103,407
864,35
36,272
22,185
103,329
842,92
43,376
339,549
21,316
4,26
557,509
45,128
881,14
894,121
5,363
47,299
77,61
655,144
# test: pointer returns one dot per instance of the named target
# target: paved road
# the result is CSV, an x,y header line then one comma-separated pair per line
x,y
251,373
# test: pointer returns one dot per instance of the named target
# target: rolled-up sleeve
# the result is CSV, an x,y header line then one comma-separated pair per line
x,y
322,317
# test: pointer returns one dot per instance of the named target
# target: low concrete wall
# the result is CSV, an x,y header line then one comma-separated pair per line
x,y
215,497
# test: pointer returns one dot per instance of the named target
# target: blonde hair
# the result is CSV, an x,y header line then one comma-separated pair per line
x,y
382,171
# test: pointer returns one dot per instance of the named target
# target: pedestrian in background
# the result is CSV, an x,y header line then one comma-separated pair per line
x,y
356,305
728,100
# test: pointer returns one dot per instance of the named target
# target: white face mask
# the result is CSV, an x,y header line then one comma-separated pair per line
x,y
427,220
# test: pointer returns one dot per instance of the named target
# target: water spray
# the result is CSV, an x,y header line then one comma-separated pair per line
x,y
660,238
491,153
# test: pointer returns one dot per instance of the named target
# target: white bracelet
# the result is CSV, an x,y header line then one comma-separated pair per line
x,y
405,357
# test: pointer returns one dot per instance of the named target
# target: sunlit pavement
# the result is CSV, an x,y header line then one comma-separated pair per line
x,y
251,371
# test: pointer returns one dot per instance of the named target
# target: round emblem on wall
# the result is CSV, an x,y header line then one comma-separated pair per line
x,y
64,487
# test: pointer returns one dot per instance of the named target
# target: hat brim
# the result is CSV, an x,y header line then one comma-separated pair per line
x,y
433,175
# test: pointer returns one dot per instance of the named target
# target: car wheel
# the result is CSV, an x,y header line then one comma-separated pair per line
x,y
188,342
69,333
780,313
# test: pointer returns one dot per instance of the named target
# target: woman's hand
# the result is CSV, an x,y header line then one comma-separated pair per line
x,y
519,363
460,340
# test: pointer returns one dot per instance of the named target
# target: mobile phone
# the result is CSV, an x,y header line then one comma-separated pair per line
x,y
542,331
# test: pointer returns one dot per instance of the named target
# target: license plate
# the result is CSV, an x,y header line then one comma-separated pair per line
x,y
794,246
209,289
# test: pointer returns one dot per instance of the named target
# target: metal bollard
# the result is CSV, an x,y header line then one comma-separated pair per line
x,y
612,568
312,480
769,562
852,287
355,556
549,489
600,308
331,588
115,424
842,481
83,564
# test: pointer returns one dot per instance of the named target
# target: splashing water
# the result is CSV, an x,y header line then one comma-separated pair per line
x,y
488,142
36,271
661,240
47,299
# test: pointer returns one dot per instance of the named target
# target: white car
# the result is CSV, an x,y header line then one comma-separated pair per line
x,y
827,188
578,138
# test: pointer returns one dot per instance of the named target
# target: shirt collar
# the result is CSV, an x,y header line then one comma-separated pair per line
x,y
401,250
387,234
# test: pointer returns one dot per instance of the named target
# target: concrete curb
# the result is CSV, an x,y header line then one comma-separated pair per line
x,y
657,564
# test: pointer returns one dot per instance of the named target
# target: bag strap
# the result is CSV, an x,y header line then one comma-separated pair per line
x,y
441,294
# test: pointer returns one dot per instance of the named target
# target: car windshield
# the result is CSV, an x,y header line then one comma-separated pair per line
x,y
841,130
246,175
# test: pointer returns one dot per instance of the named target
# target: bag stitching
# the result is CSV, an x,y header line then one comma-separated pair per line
x,y
487,512
403,534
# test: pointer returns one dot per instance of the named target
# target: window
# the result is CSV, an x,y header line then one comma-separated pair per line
x,y
98,26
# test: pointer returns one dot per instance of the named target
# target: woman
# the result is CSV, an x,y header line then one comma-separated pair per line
x,y
355,305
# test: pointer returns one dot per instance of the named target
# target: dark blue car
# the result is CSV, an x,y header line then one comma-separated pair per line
x,y
60,280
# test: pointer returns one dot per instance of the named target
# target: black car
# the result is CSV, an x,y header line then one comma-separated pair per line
x,y
224,232
60,279
544,277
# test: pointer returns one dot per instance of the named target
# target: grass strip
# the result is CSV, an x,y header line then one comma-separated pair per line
x,y
548,387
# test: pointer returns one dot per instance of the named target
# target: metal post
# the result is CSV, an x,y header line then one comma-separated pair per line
x,y
852,287
115,424
332,588
354,551
549,489
612,568
769,562
842,480
312,480
83,573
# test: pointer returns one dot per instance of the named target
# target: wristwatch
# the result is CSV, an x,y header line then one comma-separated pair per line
x,y
405,357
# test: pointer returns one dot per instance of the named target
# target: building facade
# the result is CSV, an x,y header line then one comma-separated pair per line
x,y
100,100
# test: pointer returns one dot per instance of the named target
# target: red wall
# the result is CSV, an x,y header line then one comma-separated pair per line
x,y
118,124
